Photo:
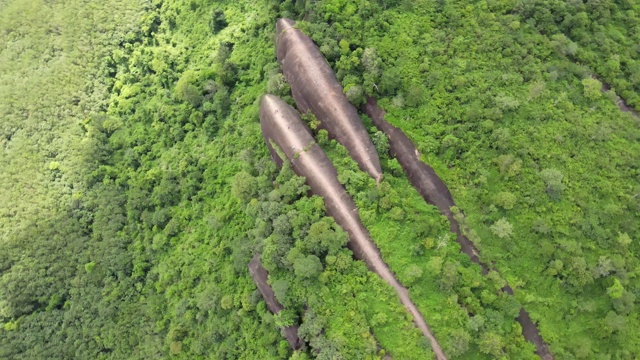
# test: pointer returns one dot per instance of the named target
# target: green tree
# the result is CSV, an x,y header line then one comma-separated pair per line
x,y
614,322
355,94
502,228
459,343
226,302
555,267
415,95
625,304
502,140
187,91
312,325
510,306
280,288
624,240
509,165
592,88
412,274
218,21
278,85
491,343
325,237
381,142
577,273
553,180
505,200
449,276
307,266
372,65
604,267
434,266
244,186
616,290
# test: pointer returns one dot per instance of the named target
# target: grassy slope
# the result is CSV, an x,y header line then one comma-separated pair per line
x,y
602,35
52,76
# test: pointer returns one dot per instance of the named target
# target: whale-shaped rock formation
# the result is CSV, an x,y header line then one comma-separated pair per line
x,y
435,192
315,88
259,275
282,127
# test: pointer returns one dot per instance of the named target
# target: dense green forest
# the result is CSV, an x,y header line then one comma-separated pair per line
x,y
135,185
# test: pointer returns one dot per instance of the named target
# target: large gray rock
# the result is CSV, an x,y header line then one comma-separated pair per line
x,y
315,89
260,276
287,136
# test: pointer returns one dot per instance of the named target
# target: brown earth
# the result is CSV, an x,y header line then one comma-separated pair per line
x,y
436,192
282,125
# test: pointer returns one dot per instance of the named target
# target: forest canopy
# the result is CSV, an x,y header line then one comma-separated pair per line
x,y
135,185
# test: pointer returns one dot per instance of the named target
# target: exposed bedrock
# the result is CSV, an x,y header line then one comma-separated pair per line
x,y
259,275
282,127
421,175
436,192
315,89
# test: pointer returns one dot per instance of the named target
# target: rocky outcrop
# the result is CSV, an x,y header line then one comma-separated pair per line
x,y
283,128
422,176
436,192
259,275
315,89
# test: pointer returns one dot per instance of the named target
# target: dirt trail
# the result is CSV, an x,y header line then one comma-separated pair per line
x,y
282,125
436,192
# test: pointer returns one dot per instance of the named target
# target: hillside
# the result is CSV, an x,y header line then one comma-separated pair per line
x,y
136,185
